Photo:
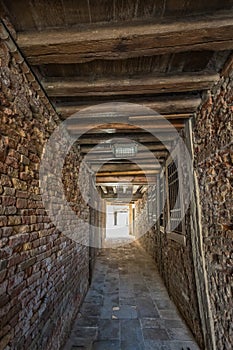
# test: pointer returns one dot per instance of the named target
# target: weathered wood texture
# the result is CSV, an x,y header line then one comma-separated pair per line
x,y
122,41
130,179
171,105
130,86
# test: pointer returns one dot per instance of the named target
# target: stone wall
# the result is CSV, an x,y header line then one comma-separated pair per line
x,y
43,274
175,262
213,135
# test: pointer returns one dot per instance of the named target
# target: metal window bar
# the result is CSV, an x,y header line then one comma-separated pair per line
x,y
174,198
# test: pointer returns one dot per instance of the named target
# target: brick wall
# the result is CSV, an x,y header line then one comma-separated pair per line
x,y
43,274
174,261
213,135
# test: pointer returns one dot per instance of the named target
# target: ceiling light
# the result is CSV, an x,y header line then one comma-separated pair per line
x,y
122,150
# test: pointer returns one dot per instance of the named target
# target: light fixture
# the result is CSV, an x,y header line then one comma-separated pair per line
x,y
122,150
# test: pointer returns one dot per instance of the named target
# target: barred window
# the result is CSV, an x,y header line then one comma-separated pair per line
x,y
174,198
152,202
161,198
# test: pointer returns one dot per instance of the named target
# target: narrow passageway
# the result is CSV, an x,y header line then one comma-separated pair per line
x,y
128,308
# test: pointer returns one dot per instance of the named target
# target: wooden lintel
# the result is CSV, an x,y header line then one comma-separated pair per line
x,y
142,161
162,83
169,107
124,167
131,126
128,173
122,40
100,152
138,137
136,180
132,197
228,67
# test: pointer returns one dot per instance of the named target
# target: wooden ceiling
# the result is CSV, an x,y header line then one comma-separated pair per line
x,y
160,54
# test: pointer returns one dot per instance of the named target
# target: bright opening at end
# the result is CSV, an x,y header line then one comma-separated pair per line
x,y
119,222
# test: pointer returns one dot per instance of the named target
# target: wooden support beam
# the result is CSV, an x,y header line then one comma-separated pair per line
x,y
122,40
127,173
169,107
126,196
138,137
162,83
228,67
146,161
124,167
131,126
132,179
107,152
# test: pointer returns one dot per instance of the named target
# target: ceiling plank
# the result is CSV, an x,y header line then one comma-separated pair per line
x,y
133,172
131,126
129,179
170,106
118,41
126,197
138,137
124,167
141,161
162,83
155,148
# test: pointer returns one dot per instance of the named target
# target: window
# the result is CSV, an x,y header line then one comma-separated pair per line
x,y
175,226
115,218
152,210
161,198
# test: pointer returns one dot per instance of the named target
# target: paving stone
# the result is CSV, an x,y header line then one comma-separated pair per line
x,y
131,345
155,334
109,330
106,345
174,323
125,312
169,314
85,332
128,308
179,334
181,345
152,323
131,334
154,345
146,308
163,304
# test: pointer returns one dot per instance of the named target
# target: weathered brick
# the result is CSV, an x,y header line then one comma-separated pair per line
x,y
29,278
19,185
3,221
13,220
21,203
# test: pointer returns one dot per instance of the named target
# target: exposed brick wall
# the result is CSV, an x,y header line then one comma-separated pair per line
x,y
43,274
213,135
176,267
175,263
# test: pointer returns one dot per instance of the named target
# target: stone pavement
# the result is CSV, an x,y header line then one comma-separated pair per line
x,y
127,307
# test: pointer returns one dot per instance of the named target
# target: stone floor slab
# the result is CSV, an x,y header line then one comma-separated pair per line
x,y
128,308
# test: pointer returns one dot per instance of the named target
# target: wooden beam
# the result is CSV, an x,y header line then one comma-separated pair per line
x,y
142,161
124,167
135,180
228,67
131,126
122,40
127,173
122,196
169,106
142,137
162,83
107,152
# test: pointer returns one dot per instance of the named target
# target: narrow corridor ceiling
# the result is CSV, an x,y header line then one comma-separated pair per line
x,y
161,54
